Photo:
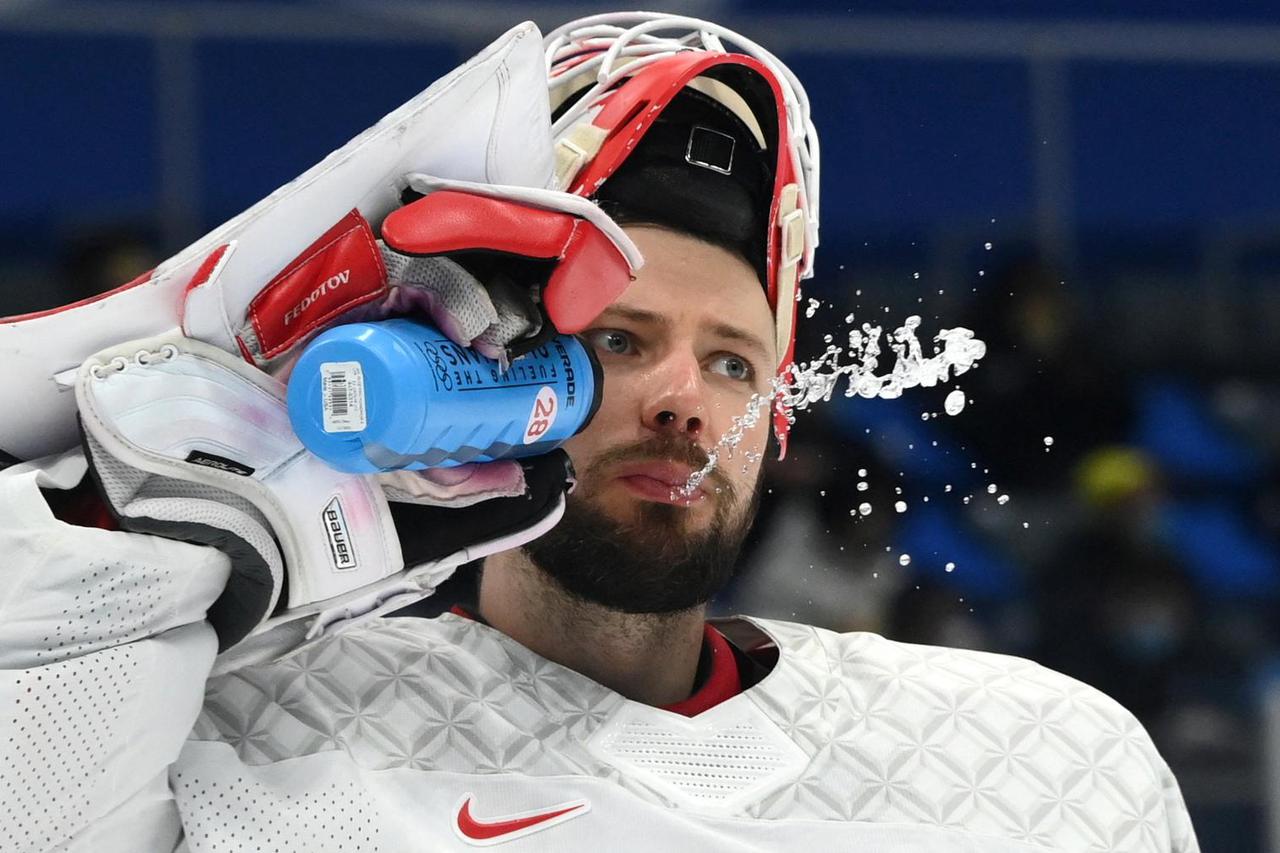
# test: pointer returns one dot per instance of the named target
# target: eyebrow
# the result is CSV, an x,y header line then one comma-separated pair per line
x,y
719,328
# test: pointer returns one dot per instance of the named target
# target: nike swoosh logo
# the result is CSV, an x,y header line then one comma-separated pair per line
x,y
509,827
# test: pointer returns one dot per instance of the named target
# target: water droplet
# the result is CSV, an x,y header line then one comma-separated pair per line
x,y
991,489
862,472
864,509
862,486
951,567
987,246
904,560
900,506
1026,525
1002,500
954,404
1048,441
947,487
915,275
812,308
848,318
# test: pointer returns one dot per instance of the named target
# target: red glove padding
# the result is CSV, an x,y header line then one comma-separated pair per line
x,y
589,273
522,255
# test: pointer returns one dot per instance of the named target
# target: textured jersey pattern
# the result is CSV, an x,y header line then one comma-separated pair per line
x,y
442,694
890,733
953,738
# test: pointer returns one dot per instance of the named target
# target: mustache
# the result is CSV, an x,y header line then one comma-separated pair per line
x,y
665,448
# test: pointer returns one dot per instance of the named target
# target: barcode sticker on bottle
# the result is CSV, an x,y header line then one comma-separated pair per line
x,y
342,396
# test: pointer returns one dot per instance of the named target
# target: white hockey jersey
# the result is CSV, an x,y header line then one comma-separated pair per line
x,y
444,734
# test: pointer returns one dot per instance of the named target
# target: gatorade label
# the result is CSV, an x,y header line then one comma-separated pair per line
x,y
342,396
543,415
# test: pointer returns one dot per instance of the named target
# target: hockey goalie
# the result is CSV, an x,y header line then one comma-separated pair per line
x,y
189,662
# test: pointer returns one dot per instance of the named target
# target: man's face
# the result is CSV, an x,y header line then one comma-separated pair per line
x,y
683,351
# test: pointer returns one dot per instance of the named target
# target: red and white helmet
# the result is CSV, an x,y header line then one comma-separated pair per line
x,y
613,77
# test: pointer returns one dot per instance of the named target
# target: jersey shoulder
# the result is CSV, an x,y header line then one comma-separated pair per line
x,y
988,740
873,662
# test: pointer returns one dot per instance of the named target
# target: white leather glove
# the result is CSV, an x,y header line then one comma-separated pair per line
x,y
191,443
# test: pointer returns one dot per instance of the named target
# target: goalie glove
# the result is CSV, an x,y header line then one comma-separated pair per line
x,y
500,268
188,442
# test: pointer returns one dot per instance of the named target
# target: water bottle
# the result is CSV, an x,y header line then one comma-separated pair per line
x,y
398,394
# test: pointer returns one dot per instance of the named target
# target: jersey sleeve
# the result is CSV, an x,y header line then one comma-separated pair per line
x,y
104,653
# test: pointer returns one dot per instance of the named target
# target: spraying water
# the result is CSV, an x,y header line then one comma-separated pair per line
x,y
955,352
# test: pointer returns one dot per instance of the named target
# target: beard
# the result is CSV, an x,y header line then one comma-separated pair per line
x,y
652,562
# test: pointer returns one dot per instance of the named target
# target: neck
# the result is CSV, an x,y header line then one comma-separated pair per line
x,y
649,658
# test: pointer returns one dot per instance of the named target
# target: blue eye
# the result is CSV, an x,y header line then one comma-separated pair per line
x,y
733,367
610,340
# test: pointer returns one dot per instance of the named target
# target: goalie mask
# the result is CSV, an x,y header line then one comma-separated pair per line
x,y
656,121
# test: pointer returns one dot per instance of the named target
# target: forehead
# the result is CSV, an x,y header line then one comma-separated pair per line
x,y
686,279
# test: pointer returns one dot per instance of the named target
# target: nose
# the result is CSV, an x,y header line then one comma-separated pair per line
x,y
676,402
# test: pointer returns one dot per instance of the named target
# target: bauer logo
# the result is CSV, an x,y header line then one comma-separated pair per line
x,y
335,528
545,409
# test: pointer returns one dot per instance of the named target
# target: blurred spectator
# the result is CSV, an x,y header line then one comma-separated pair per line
x,y
1116,609
1040,377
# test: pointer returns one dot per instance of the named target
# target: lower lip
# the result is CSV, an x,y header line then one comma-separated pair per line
x,y
656,490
